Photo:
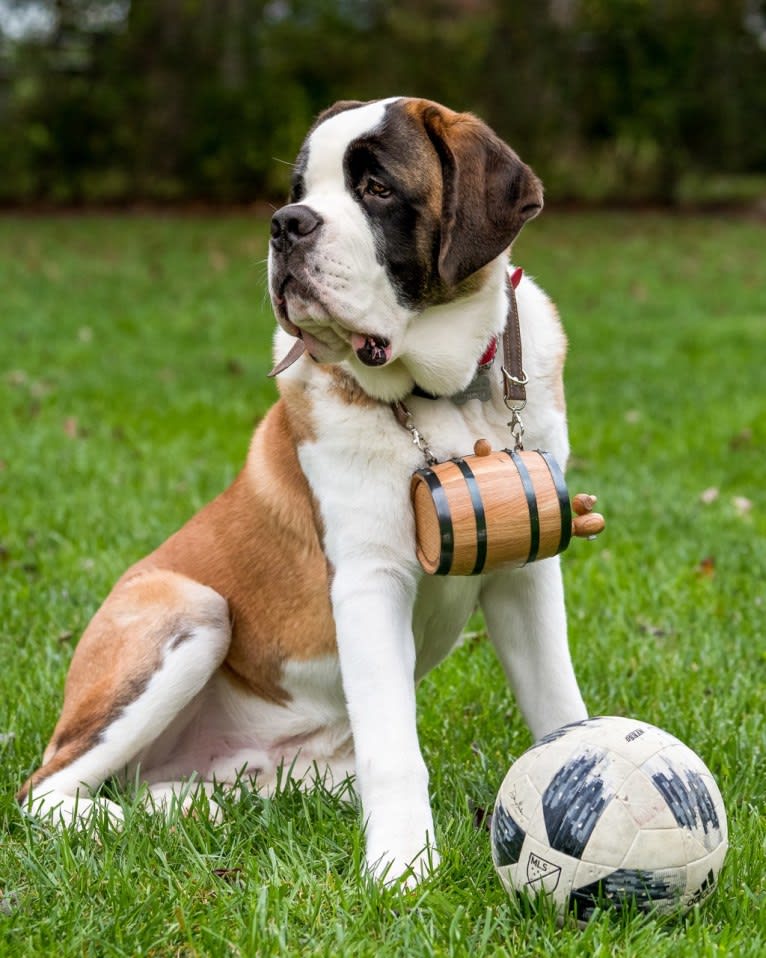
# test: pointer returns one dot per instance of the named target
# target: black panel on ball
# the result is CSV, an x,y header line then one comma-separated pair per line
x,y
507,837
688,799
573,803
626,888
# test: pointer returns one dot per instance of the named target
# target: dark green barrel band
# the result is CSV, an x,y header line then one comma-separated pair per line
x,y
478,513
562,492
444,518
534,515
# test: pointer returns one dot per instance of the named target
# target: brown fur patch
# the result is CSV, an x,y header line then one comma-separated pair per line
x,y
346,388
297,411
258,545
420,109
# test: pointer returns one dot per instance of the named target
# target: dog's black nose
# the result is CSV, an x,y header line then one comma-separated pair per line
x,y
292,224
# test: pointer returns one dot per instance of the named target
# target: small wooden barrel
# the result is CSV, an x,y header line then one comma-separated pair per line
x,y
497,508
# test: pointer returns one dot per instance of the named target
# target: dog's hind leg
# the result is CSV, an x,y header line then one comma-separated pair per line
x,y
148,652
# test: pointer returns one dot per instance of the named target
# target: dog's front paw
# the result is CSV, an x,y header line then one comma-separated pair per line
x,y
402,857
403,871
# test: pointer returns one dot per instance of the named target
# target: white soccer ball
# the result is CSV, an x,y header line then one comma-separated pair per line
x,y
610,811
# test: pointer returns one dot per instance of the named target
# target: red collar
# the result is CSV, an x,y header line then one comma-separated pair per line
x,y
488,356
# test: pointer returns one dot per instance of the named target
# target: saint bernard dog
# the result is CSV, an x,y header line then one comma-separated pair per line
x,y
286,625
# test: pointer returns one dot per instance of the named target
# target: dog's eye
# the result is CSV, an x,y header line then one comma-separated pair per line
x,y
376,188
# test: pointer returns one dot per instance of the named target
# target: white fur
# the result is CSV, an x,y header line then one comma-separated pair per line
x,y
234,734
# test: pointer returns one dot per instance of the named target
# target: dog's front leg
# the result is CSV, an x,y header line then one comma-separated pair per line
x,y
373,616
526,620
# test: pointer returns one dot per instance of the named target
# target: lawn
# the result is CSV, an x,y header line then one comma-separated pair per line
x,y
133,354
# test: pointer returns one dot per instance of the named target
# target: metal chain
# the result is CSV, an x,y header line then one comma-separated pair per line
x,y
404,418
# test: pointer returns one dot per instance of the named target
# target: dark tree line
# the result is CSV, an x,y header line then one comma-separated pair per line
x,y
173,100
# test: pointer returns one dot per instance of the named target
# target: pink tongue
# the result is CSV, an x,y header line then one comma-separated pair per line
x,y
313,346
371,350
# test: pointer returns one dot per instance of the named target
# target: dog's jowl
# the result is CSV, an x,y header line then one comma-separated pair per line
x,y
287,624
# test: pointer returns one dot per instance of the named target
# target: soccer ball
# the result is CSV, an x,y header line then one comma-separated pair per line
x,y
609,812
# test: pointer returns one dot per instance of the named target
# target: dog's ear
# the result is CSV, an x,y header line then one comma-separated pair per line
x,y
488,193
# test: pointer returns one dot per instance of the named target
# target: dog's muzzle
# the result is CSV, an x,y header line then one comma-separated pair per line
x,y
294,231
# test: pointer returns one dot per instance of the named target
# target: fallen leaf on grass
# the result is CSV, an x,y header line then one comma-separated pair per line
x,y
741,440
655,630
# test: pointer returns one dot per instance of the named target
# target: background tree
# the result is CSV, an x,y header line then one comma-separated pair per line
x,y
171,100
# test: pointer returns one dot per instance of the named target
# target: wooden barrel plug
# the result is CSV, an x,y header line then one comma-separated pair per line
x,y
586,524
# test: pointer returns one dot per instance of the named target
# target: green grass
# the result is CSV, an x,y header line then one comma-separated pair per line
x,y
133,354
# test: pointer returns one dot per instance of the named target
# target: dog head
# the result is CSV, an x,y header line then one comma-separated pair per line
x,y
397,207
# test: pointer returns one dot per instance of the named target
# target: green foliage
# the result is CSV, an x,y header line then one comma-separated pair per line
x,y
631,100
133,354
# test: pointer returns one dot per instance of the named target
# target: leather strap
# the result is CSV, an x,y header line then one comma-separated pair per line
x,y
514,378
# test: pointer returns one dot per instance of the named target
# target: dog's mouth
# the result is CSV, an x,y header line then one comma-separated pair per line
x,y
283,309
371,350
